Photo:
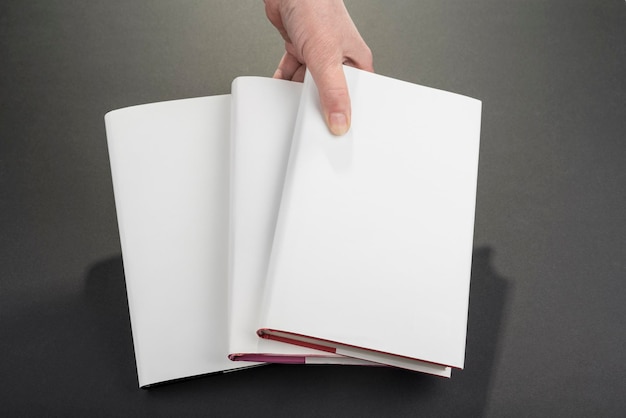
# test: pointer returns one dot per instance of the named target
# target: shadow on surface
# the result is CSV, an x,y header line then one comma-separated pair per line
x,y
107,310
76,353
284,390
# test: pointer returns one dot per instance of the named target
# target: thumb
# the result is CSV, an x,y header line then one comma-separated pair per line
x,y
334,97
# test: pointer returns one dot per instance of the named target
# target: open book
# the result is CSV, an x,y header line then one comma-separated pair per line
x,y
171,166
371,253
373,246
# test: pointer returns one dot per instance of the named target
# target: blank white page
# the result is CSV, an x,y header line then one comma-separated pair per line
x,y
373,245
170,168
263,115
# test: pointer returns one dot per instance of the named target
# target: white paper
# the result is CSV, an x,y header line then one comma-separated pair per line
x,y
373,244
170,167
263,117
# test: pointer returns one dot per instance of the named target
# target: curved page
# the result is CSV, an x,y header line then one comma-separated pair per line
x,y
170,168
263,116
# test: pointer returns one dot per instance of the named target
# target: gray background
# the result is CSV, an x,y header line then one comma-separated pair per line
x,y
547,333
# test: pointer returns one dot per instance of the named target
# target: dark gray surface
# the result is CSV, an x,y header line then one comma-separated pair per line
x,y
547,332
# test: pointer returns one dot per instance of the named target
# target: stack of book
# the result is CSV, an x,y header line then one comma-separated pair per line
x,y
252,235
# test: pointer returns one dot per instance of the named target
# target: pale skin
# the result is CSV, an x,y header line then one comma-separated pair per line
x,y
320,35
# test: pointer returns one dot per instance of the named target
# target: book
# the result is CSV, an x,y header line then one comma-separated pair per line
x,y
198,183
170,170
263,116
372,250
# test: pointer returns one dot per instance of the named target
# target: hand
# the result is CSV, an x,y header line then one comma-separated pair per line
x,y
320,35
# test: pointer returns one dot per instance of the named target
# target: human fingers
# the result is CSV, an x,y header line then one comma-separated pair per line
x,y
272,11
299,74
359,56
334,96
287,67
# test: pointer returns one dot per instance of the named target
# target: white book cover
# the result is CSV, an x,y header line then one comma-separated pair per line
x,y
170,169
373,246
263,116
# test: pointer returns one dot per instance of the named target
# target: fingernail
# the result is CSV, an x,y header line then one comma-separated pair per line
x,y
338,123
